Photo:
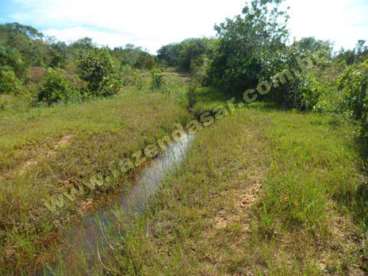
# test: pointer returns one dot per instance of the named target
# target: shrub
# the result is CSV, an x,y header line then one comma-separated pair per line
x,y
110,86
310,92
97,69
56,88
12,58
250,47
295,86
9,84
354,85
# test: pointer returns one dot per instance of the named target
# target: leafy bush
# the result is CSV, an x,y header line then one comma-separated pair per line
x,y
353,85
110,86
12,58
199,68
329,99
294,86
305,88
9,84
250,47
310,91
97,69
57,88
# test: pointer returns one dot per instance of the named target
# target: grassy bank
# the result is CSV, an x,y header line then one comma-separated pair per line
x,y
264,191
46,151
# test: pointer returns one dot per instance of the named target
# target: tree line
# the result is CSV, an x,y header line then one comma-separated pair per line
x,y
49,71
255,46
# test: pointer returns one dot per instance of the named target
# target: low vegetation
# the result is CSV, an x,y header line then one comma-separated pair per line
x,y
253,196
278,188
46,151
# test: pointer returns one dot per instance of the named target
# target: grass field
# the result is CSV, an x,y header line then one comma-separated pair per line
x,y
46,151
264,191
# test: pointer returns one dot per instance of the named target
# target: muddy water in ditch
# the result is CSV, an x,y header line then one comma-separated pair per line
x,y
90,234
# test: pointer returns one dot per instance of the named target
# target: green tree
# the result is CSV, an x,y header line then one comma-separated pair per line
x,y
353,84
9,84
251,47
96,67
187,54
134,57
58,54
13,59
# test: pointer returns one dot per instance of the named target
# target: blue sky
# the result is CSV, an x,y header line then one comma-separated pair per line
x,y
151,24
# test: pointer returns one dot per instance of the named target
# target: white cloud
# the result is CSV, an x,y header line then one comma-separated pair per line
x,y
103,38
340,21
151,24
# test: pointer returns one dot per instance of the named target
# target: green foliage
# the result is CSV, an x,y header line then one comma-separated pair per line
x,y
303,92
9,84
102,71
199,68
310,91
110,86
96,130
353,84
83,44
57,88
169,54
250,47
27,41
187,54
310,45
308,85
97,69
354,56
134,57
58,54
12,58
157,80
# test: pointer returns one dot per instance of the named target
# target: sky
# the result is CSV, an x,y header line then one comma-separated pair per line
x,y
153,23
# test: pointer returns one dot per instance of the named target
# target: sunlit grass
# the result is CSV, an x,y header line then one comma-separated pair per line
x,y
45,151
303,219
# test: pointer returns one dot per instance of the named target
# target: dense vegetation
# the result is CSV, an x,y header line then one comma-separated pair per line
x,y
277,188
37,69
252,48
